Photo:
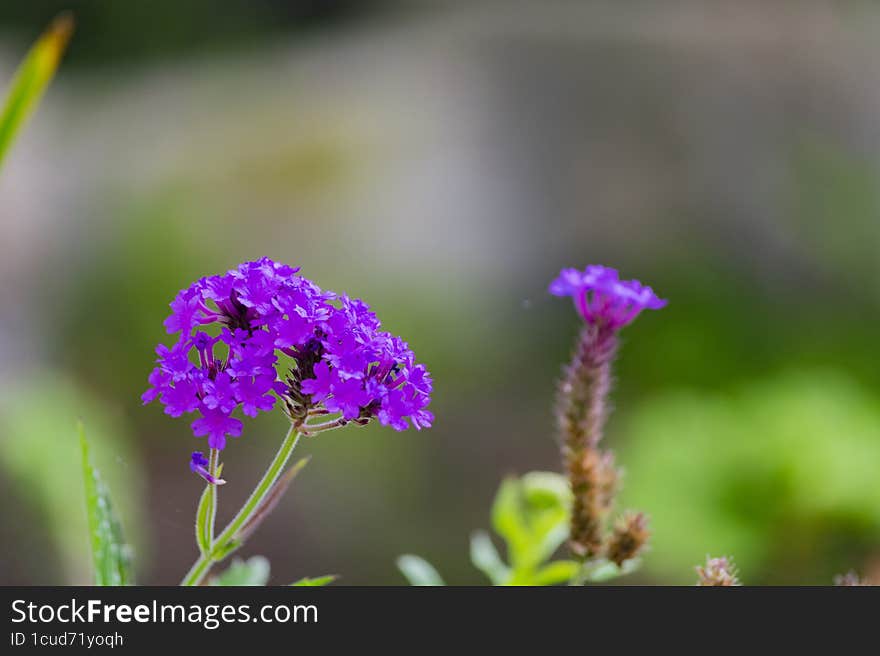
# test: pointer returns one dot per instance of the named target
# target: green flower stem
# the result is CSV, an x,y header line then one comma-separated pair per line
x,y
213,460
220,548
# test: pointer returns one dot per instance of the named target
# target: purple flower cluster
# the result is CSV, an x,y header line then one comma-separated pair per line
x,y
266,317
602,298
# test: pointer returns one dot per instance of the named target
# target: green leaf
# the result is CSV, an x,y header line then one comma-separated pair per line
x,y
253,571
548,502
268,503
31,79
316,581
418,571
605,570
485,558
509,520
531,514
44,484
205,518
547,489
110,553
559,571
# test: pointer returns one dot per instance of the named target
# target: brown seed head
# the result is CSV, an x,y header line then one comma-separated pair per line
x,y
629,538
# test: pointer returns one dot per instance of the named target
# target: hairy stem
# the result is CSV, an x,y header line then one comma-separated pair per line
x,y
213,461
582,398
582,409
225,542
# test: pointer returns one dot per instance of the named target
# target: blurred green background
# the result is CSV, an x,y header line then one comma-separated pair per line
x,y
443,160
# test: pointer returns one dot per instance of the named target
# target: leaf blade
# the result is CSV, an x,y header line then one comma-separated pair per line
x,y
485,558
418,571
251,572
110,554
556,572
315,581
205,519
31,79
267,505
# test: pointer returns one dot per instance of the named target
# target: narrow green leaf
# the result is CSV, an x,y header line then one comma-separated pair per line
x,y
548,501
205,519
268,503
509,521
110,554
418,571
31,79
253,571
559,571
605,570
316,581
485,558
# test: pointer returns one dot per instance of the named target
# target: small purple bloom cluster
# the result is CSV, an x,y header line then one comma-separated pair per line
x,y
602,298
330,347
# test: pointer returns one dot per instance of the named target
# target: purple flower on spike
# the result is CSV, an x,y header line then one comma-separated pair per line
x,y
602,298
238,331
606,304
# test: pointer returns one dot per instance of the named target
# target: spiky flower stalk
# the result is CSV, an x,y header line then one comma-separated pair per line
x,y
593,478
582,403
582,408
606,304
717,572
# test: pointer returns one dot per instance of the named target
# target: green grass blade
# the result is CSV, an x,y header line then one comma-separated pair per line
x,y
268,503
316,581
205,519
32,78
110,553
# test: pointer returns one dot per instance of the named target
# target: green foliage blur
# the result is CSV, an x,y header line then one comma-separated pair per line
x,y
41,459
780,472
31,79
111,554
532,515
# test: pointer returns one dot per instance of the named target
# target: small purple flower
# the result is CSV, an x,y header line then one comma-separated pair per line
x,y
174,361
602,298
198,463
185,310
220,393
253,394
159,381
217,425
239,330
293,330
348,397
321,386
394,408
180,398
